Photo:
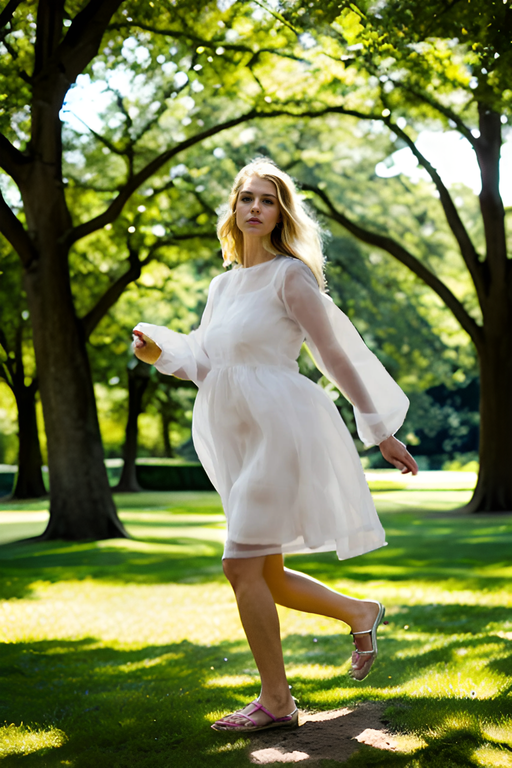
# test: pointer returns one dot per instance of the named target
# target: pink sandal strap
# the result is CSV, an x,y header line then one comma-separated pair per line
x,y
257,707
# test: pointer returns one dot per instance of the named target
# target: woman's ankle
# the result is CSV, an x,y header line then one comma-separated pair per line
x,y
278,703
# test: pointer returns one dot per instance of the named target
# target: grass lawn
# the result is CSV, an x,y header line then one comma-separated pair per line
x,y
120,654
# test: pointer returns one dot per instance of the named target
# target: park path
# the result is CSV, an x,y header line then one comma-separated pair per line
x,y
333,735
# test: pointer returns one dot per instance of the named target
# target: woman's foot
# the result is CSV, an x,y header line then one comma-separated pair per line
x,y
256,717
365,639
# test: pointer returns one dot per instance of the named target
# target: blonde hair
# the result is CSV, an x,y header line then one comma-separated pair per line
x,y
297,234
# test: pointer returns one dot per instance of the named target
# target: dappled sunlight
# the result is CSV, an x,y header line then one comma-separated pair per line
x,y
492,757
23,740
233,681
144,634
400,501
122,616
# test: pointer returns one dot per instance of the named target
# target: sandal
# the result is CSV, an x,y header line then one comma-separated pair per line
x,y
359,673
225,724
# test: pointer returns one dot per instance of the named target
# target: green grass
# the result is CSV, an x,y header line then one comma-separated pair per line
x,y
120,654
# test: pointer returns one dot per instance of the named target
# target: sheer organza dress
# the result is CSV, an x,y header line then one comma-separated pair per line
x,y
270,439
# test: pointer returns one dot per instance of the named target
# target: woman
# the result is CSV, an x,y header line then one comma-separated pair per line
x,y
271,440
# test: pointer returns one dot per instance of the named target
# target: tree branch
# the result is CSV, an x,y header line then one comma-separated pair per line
x,y
82,41
112,294
115,208
8,12
488,148
277,16
14,231
213,43
467,249
114,291
446,111
7,365
404,257
11,159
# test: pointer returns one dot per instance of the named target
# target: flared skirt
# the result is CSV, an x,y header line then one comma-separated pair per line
x,y
284,463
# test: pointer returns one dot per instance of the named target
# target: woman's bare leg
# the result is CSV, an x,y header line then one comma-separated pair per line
x,y
261,625
303,593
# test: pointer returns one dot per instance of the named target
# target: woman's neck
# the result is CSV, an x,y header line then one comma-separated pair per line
x,y
254,252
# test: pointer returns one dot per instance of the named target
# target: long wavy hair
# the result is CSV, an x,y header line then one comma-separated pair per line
x,y
297,234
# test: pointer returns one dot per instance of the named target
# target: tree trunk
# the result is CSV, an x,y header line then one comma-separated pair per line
x,y
493,492
138,380
29,481
166,419
81,505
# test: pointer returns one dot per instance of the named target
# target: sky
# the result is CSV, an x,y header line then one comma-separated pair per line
x,y
454,158
447,151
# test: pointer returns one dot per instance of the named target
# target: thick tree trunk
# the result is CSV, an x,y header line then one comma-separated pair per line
x,y
138,380
493,492
81,505
29,482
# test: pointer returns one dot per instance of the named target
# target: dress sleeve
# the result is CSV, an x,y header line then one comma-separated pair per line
x,y
340,353
183,355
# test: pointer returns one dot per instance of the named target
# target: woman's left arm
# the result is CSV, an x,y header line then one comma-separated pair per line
x,y
379,404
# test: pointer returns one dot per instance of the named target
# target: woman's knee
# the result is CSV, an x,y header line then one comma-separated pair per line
x,y
238,570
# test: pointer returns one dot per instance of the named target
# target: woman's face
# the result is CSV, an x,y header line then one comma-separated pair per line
x,y
257,208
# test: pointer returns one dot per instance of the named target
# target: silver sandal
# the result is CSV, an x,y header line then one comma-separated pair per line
x,y
359,673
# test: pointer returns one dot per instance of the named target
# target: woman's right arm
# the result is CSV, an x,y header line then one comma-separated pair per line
x,y
177,354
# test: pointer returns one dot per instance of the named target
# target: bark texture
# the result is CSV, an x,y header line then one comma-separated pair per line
x,y
494,488
29,481
493,492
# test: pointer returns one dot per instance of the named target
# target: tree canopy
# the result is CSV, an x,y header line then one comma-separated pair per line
x,y
323,88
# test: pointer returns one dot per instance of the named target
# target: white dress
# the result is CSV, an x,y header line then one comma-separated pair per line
x,y
271,440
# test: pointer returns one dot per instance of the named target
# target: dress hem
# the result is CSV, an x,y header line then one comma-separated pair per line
x,y
283,550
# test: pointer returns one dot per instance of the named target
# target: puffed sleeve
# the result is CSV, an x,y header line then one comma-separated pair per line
x,y
183,355
340,353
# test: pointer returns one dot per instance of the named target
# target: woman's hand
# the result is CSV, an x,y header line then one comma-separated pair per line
x,y
397,454
145,348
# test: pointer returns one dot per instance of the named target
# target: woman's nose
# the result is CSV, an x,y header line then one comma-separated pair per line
x,y
255,206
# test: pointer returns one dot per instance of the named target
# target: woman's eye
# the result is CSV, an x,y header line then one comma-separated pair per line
x,y
246,199
269,202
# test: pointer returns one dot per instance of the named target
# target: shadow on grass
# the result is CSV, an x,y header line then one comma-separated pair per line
x,y
122,561
151,707
110,707
469,554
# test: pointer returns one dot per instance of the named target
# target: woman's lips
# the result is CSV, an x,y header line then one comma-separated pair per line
x,y
254,221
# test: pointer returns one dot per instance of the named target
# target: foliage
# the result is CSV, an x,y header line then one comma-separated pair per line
x,y
347,85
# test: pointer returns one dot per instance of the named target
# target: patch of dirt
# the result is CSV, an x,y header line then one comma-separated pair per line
x,y
333,735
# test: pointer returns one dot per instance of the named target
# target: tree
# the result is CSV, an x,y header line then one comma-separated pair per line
x,y
138,380
403,64
42,59
17,369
